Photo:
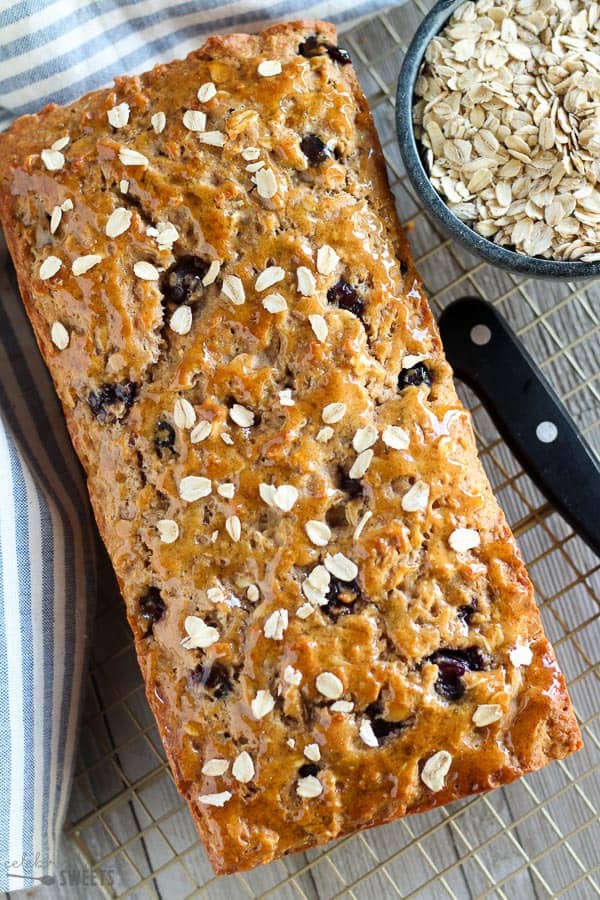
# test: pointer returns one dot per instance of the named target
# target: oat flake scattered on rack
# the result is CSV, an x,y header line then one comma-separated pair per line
x,y
509,115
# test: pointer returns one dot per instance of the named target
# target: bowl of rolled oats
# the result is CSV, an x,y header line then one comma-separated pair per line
x,y
498,116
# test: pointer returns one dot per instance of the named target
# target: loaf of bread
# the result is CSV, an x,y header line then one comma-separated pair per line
x,y
332,619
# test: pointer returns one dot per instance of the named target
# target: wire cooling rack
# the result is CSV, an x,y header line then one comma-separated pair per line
x,y
536,838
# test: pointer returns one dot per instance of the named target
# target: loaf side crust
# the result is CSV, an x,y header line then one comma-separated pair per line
x,y
425,634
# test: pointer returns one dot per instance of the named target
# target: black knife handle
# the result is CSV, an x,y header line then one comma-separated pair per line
x,y
487,355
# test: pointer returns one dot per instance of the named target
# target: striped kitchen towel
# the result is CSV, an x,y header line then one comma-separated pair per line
x,y
54,51
46,585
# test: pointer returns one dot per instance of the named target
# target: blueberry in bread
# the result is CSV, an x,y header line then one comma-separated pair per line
x,y
331,616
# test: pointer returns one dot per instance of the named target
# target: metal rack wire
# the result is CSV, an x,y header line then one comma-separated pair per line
x,y
536,838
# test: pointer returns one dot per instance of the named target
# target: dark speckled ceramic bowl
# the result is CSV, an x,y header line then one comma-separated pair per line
x,y
493,253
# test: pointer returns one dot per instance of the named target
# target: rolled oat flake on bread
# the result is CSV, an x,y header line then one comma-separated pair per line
x,y
286,611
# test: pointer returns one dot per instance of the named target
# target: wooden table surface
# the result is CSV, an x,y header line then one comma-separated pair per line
x,y
129,833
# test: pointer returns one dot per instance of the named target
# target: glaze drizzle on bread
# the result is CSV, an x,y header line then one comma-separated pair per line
x,y
331,616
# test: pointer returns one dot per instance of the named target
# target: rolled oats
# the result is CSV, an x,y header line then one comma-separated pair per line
x,y
509,118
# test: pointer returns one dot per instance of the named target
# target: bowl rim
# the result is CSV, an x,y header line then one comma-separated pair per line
x,y
496,254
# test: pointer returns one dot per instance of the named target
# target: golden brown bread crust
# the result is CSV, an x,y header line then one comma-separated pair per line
x,y
425,634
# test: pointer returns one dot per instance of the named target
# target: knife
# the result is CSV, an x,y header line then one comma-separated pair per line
x,y
487,355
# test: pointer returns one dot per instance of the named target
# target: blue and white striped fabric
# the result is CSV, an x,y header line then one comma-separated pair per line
x,y
46,585
54,51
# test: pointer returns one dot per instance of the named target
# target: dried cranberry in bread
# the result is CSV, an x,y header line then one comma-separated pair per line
x,y
333,621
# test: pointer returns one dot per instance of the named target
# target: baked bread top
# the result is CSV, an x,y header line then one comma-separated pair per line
x,y
330,612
